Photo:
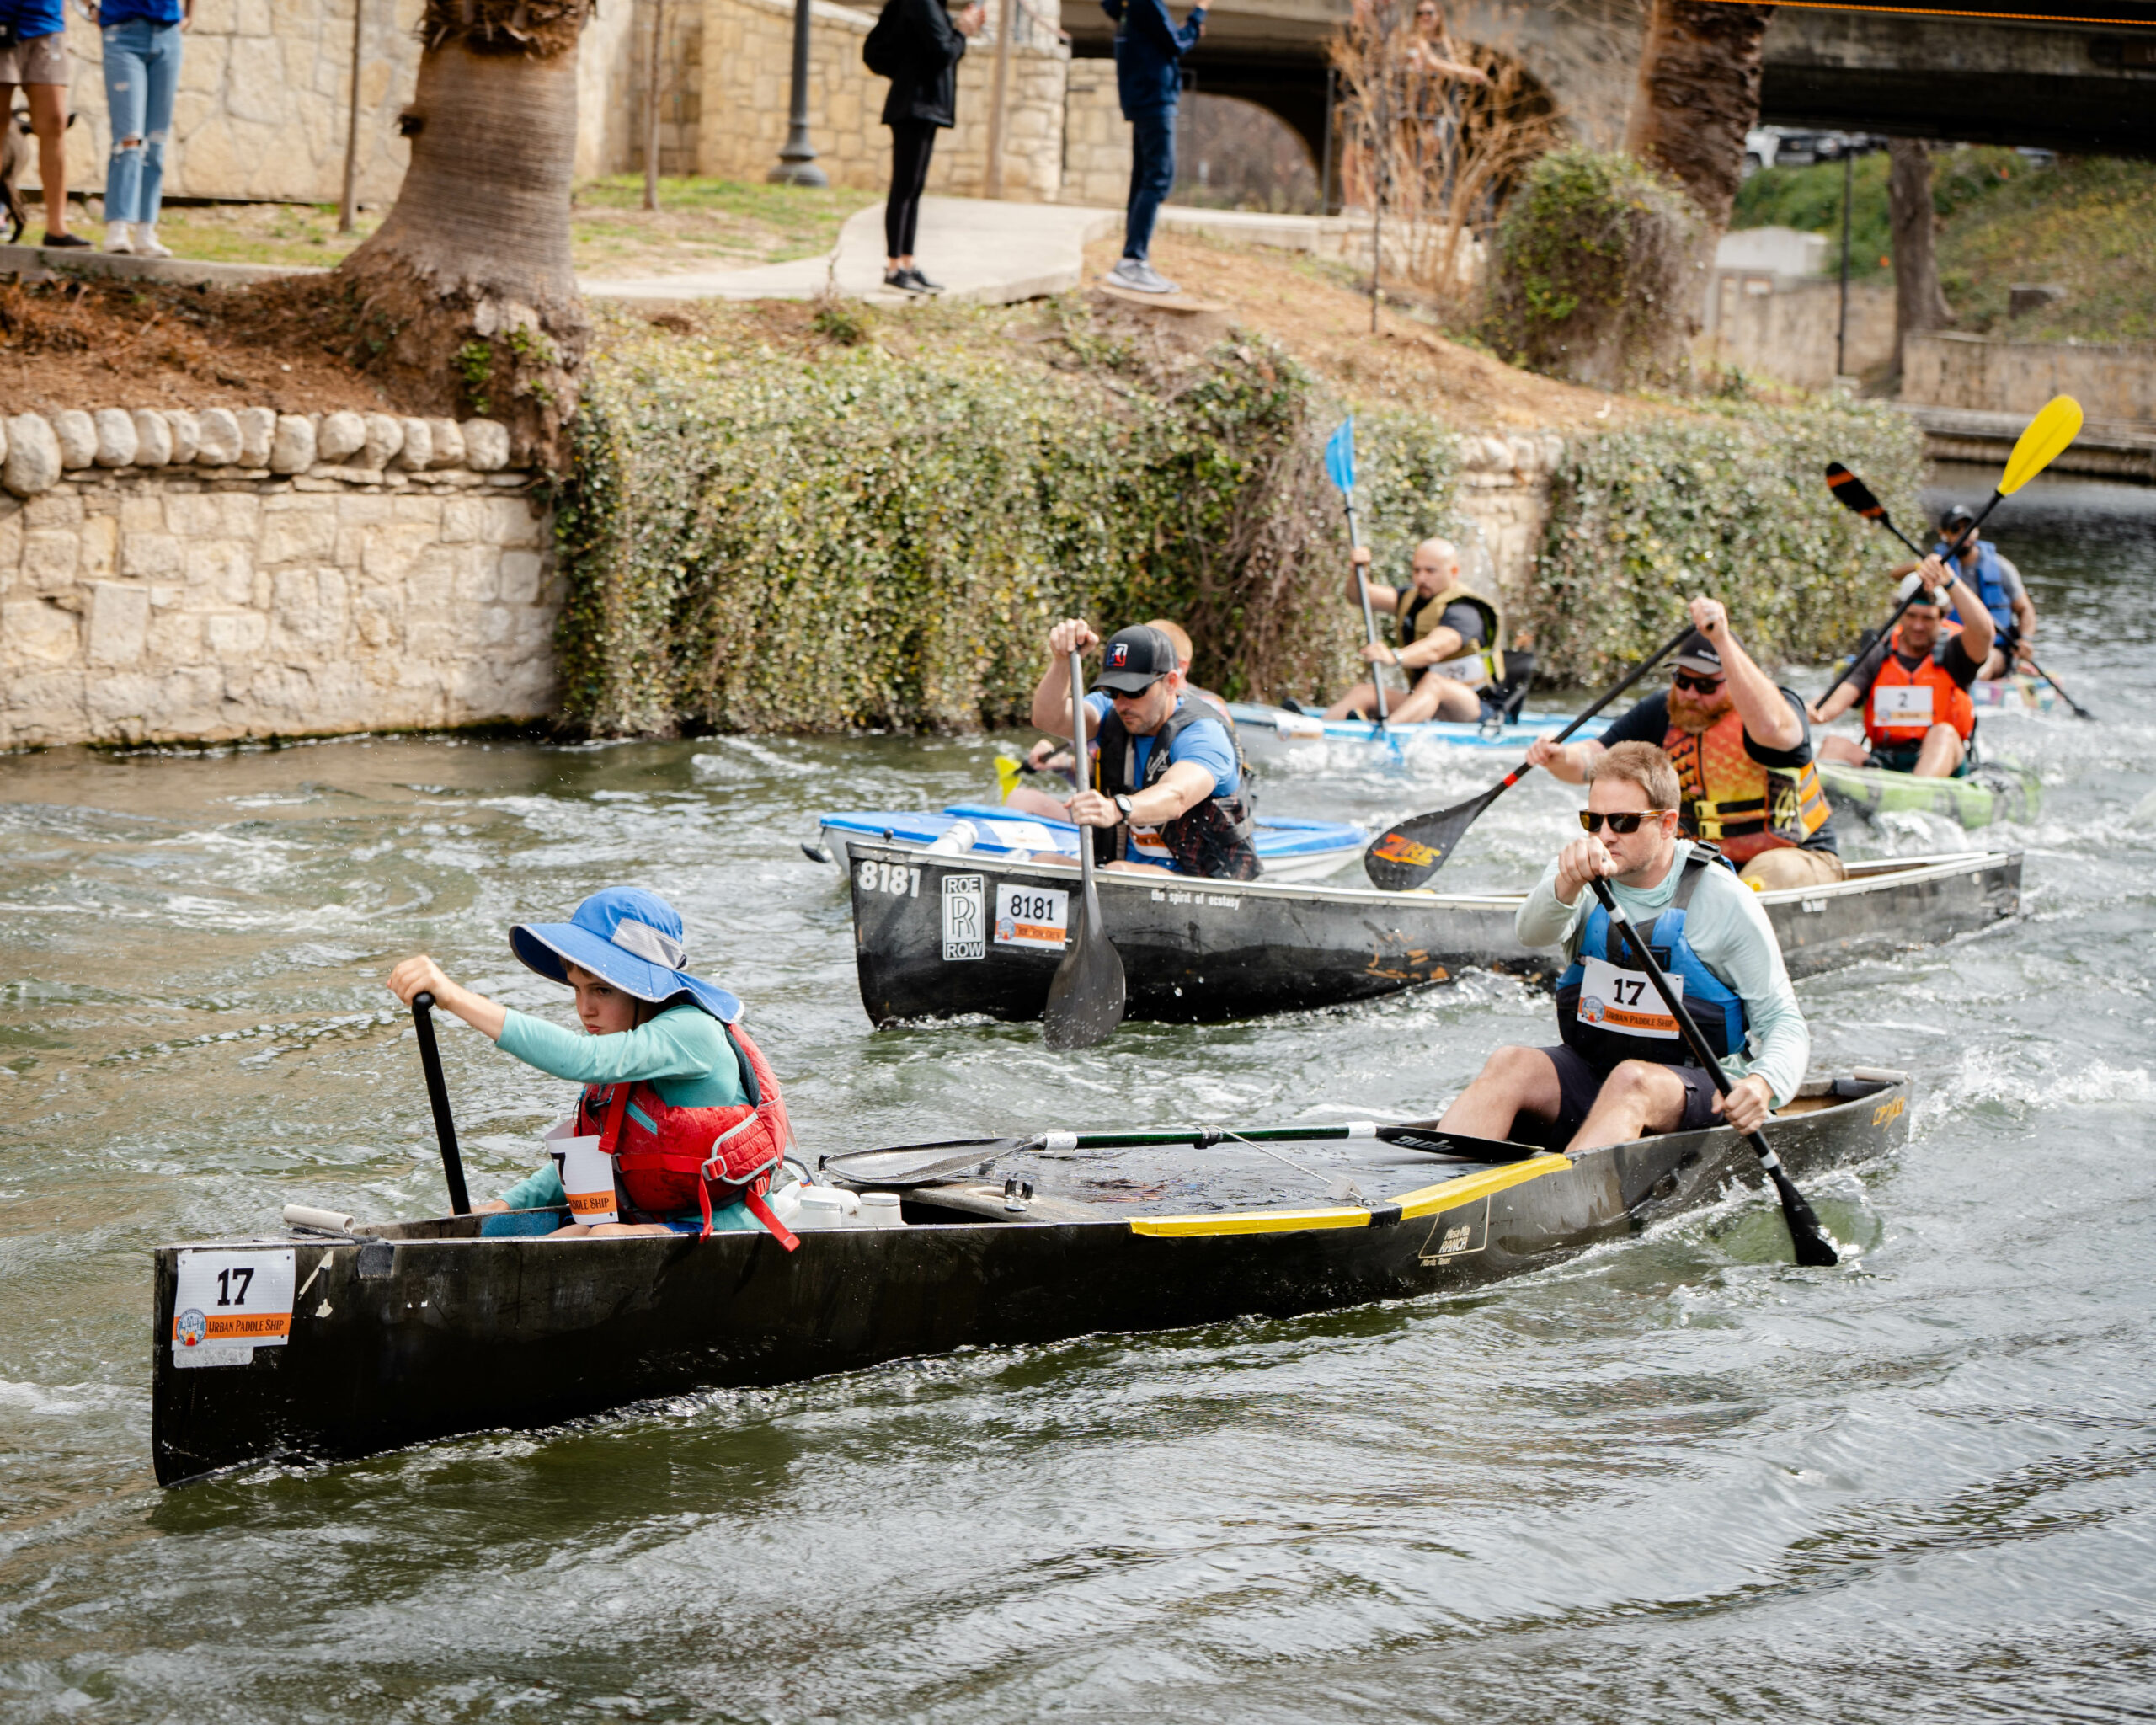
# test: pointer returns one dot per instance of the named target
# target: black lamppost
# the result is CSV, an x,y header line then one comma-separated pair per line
x,y
797,161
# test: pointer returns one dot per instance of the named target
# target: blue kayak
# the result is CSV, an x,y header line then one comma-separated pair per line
x,y
1290,849
1272,735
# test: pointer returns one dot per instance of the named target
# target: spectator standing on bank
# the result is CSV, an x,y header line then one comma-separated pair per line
x,y
34,54
142,76
1149,51
917,45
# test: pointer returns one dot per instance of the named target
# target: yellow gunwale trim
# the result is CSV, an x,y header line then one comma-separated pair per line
x,y
1427,1200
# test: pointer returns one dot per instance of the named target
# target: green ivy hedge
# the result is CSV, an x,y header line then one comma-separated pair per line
x,y
1730,500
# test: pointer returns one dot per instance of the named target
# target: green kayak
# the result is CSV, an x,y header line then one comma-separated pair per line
x,y
1998,790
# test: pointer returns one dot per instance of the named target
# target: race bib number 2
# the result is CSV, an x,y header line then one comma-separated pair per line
x,y
1625,1001
227,1304
1900,704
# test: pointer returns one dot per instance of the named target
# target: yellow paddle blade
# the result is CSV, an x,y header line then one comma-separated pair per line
x,y
1007,771
2057,424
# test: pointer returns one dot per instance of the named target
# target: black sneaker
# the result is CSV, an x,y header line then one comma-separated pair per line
x,y
1289,703
921,284
56,242
901,279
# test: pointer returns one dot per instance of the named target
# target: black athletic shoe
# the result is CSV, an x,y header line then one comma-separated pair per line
x,y
921,284
1289,703
901,279
58,242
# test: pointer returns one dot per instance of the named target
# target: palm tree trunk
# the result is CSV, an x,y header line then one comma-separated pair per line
x,y
1919,304
469,284
1697,95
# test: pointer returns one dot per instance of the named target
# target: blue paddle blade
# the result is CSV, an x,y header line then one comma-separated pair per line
x,y
1340,455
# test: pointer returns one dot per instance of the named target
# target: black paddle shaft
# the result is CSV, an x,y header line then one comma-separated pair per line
x,y
1812,1246
1410,853
1853,494
452,1167
1086,996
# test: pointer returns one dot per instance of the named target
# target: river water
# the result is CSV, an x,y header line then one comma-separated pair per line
x,y
1674,1479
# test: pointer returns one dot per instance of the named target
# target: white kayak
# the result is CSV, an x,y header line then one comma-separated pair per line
x,y
1290,849
1274,736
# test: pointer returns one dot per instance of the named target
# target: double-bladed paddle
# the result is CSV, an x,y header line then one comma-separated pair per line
x,y
1340,468
906,1165
1086,998
2079,711
2057,423
1409,854
452,1165
1813,1246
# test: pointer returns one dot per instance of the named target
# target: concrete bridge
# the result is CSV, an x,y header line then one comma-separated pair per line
x,y
2076,88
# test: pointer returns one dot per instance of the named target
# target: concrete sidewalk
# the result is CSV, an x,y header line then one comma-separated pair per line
x,y
988,252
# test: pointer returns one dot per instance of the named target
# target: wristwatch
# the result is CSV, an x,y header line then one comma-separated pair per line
x,y
1122,803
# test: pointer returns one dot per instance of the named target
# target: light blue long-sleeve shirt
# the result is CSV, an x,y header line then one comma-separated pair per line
x,y
1727,927
683,1054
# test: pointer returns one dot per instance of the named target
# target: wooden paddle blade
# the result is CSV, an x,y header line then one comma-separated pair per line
x,y
2058,424
1853,494
1412,852
1085,1001
1814,1247
904,1165
1428,1136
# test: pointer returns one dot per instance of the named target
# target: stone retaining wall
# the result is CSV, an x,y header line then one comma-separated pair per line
x,y
1504,490
2115,385
197,578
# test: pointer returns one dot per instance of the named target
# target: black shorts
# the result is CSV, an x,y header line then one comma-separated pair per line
x,y
1579,1082
1902,757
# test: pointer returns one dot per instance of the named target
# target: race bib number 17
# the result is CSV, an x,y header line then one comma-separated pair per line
x,y
227,1304
1625,1001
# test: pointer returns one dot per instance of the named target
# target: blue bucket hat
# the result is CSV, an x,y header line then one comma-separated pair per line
x,y
627,936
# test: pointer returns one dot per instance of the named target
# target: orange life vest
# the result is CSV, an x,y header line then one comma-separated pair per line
x,y
1740,805
666,1158
1903,719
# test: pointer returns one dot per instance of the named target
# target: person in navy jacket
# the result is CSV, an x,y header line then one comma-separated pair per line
x,y
1148,51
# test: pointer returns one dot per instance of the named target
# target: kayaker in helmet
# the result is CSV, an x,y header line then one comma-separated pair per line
x,y
1621,1070
685,1109
1453,635
1991,576
1742,754
1165,789
1914,686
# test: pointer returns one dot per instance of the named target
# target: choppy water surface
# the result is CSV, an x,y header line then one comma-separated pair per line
x,y
1674,1479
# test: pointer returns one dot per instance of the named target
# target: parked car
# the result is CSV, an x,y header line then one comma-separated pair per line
x,y
1798,147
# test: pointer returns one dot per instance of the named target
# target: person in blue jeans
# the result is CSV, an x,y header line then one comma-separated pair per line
x,y
1148,51
141,75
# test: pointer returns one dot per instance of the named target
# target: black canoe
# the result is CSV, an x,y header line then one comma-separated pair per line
x,y
423,1330
942,937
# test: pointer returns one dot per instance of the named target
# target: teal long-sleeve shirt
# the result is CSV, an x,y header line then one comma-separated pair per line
x,y
1727,927
683,1054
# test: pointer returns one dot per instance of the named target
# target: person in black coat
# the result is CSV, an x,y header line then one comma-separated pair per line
x,y
924,96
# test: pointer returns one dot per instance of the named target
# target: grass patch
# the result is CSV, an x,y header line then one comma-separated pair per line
x,y
2086,224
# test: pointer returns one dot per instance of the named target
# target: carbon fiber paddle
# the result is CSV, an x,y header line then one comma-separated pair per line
x,y
1086,998
1813,1245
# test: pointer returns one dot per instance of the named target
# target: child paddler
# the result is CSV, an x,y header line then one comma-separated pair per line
x,y
684,1107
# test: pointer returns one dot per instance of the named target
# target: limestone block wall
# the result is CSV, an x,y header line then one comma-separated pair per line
x,y
1784,327
748,61
265,90
1096,138
2115,385
272,593
1504,494
610,85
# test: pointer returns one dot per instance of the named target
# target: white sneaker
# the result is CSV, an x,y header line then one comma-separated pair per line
x,y
1141,277
148,244
117,238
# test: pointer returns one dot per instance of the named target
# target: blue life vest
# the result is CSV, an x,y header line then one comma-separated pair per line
x,y
1716,1007
1991,585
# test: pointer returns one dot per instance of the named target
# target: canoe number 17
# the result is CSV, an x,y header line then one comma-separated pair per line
x,y
895,878
231,1286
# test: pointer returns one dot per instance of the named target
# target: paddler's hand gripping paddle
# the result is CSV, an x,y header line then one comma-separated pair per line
x,y
1813,1247
2041,443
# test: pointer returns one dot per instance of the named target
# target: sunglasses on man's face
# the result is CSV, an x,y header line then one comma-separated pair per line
x,y
1698,685
1626,824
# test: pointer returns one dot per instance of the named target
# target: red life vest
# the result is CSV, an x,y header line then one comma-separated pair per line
x,y
1950,701
1737,804
665,1157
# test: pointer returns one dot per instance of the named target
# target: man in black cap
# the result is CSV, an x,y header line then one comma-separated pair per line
x,y
1742,752
1997,583
1167,791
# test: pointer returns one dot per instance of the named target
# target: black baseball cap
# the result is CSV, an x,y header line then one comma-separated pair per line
x,y
1955,519
1698,655
1134,660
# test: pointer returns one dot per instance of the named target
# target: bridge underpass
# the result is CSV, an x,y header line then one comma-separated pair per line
x,y
2084,88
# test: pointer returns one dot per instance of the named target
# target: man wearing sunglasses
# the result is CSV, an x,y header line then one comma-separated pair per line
x,y
1914,685
1621,1070
1742,752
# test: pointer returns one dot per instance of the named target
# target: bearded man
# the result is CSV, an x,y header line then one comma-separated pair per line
x,y
1741,747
